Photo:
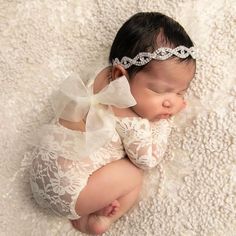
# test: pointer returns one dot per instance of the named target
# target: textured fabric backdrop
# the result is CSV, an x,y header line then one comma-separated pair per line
x,y
43,41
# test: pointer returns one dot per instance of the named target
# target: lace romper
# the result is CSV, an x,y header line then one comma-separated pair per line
x,y
59,172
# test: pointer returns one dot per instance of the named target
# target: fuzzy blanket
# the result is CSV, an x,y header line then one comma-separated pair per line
x,y
43,41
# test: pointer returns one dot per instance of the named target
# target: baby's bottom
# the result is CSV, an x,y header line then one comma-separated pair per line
x,y
119,180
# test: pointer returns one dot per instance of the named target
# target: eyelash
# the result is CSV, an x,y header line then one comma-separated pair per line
x,y
179,94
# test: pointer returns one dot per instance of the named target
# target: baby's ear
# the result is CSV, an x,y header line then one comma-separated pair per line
x,y
118,71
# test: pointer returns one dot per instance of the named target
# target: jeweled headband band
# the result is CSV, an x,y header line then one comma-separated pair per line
x,y
160,54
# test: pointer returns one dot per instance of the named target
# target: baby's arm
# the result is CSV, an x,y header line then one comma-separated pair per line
x,y
136,136
145,142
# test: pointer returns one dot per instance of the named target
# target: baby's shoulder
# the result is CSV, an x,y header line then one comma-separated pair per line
x,y
80,126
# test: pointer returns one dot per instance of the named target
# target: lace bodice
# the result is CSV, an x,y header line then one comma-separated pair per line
x,y
69,144
144,142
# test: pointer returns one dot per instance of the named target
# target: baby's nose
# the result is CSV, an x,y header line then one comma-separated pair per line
x,y
166,104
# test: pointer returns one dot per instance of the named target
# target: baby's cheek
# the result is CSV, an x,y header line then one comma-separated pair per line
x,y
184,104
181,106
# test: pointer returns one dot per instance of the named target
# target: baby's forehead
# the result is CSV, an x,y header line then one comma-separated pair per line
x,y
180,73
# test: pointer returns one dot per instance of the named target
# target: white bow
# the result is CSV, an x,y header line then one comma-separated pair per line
x,y
74,101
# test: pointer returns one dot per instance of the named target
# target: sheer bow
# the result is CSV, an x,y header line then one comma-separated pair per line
x,y
75,101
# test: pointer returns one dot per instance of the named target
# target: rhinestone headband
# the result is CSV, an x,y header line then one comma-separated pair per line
x,y
160,54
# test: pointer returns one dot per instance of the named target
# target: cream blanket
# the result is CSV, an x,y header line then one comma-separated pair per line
x,y
44,41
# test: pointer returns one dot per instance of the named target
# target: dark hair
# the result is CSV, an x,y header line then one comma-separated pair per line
x,y
145,32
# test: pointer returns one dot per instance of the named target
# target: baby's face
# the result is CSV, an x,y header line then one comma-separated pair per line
x,y
159,89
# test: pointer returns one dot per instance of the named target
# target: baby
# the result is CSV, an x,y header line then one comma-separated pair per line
x,y
78,169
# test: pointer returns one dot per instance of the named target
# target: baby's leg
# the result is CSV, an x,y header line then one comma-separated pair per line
x,y
108,183
119,180
97,224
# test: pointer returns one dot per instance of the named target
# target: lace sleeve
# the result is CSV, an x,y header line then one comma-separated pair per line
x,y
160,134
144,142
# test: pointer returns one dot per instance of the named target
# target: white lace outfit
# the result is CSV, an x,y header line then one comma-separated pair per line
x,y
144,142
59,171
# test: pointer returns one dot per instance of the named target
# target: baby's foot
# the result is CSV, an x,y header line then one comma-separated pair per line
x,y
109,210
92,224
77,223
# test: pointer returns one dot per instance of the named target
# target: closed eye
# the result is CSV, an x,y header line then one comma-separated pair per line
x,y
181,93
168,90
157,91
